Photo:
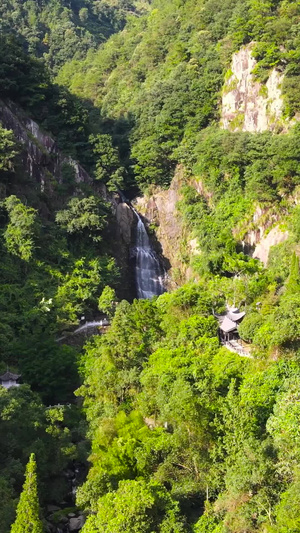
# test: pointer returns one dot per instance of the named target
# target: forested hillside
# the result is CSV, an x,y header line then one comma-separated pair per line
x,y
60,30
55,262
180,434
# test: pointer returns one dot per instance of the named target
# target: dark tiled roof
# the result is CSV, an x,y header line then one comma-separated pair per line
x,y
227,325
235,317
9,376
230,321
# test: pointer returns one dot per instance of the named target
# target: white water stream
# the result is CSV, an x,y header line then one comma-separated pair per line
x,y
148,271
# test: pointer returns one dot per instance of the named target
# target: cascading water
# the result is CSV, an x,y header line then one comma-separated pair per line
x,y
148,271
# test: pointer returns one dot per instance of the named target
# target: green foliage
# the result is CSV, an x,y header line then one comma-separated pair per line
x,y
158,85
108,167
26,426
59,31
107,301
28,520
86,216
22,78
136,506
165,404
185,435
250,325
7,149
287,515
293,281
21,229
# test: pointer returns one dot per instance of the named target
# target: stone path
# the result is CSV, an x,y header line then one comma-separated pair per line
x,y
236,347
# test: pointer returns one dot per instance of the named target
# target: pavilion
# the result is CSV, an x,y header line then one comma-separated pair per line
x,y
9,380
228,324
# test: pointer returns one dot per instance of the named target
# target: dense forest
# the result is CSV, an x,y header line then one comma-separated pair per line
x,y
169,430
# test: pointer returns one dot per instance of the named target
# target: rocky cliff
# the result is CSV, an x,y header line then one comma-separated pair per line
x,y
46,165
161,213
257,233
262,230
41,155
248,105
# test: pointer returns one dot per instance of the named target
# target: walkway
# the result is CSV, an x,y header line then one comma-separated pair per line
x,y
237,347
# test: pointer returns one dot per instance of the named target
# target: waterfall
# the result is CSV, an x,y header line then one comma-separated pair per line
x,y
148,271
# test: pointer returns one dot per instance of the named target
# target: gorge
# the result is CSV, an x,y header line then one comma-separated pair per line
x,y
131,415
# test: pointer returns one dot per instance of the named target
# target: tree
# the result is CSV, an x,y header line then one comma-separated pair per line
x,y
108,168
7,149
85,216
293,282
28,520
21,229
136,507
250,326
107,301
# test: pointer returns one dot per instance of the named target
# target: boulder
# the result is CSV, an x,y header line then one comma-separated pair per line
x,y
52,508
75,524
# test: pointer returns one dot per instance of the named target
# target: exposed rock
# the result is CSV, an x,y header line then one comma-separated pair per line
x,y
63,520
261,221
275,236
125,219
50,528
45,163
257,233
150,422
53,508
248,105
201,189
75,524
41,156
160,210
194,246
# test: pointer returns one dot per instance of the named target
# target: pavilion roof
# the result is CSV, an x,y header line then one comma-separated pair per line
x,y
228,325
9,376
236,316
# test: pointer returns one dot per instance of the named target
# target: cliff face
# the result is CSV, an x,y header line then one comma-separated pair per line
x,y
44,163
257,233
248,105
261,231
41,155
177,246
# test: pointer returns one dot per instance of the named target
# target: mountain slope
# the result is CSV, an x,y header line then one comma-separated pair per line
x,y
58,30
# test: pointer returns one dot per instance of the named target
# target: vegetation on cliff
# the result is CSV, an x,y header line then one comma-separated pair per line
x,y
185,436
158,82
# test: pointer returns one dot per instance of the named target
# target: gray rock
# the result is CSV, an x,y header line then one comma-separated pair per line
x,y
75,524
52,508
71,515
82,519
